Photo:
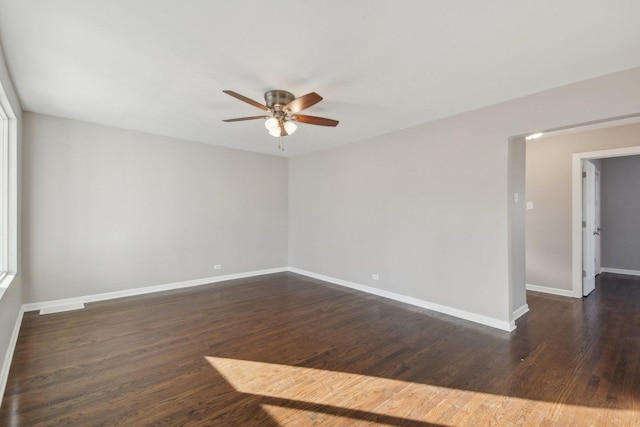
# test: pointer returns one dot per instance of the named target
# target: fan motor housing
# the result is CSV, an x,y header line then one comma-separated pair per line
x,y
278,97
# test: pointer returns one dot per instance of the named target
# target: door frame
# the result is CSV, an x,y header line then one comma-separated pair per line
x,y
576,207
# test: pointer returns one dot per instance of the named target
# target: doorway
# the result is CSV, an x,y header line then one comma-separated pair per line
x,y
580,211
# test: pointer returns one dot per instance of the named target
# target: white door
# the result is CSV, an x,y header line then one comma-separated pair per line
x,y
588,227
598,230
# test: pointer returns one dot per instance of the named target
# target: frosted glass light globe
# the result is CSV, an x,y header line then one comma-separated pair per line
x,y
290,127
271,124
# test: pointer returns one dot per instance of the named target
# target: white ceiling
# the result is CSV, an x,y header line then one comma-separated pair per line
x,y
160,66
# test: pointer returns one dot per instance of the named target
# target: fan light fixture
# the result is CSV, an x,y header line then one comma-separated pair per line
x,y
273,126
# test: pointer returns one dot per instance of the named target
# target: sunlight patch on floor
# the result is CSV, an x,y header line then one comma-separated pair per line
x,y
305,396
299,417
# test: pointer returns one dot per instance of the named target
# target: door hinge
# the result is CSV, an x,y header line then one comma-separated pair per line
x,y
584,174
584,274
584,224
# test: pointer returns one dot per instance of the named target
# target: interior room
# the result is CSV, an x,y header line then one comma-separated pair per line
x,y
318,214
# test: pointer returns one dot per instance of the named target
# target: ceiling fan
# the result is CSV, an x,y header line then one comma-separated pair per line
x,y
283,108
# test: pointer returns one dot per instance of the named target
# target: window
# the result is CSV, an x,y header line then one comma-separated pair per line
x,y
4,142
8,193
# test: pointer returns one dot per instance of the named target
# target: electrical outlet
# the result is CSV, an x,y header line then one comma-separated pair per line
x,y
375,277
217,267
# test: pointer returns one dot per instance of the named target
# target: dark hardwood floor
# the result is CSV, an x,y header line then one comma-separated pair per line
x,y
284,349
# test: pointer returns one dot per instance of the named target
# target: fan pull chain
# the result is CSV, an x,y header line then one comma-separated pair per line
x,y
280,144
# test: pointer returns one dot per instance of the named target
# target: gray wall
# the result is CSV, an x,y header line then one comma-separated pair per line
x,y
108,209
408,206
11,299
426,208
620,197
549,188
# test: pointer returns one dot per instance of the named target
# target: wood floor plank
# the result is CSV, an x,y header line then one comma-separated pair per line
x,y
325,355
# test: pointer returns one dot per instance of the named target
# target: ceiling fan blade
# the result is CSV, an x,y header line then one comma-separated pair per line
x,y
303,102
313,120
247,100
283,131
240,119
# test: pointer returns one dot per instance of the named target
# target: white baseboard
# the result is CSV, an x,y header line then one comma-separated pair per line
x,y
60,304
519,312
473,317
8,357
553,291
61,308
620,271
